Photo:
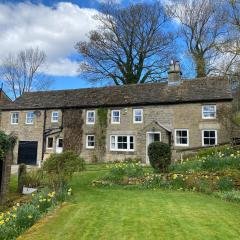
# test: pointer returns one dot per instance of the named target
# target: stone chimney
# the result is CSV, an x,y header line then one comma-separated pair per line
x,y
174,73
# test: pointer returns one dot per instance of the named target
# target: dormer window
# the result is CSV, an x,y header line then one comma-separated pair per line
x,y
55,116
209,111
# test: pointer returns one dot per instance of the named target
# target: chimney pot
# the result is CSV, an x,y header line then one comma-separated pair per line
x,y
174,73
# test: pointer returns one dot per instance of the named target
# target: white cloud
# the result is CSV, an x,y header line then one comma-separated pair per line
x,y
53,29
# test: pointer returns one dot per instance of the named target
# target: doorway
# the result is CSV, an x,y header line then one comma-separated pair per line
x,y
151,137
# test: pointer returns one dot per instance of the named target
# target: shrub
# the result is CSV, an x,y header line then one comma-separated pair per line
x,y
60,168
34,178
118,171
159,155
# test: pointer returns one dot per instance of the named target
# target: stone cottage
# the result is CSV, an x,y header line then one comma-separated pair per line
x,y
117,122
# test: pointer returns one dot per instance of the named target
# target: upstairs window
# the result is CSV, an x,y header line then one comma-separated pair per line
x,y
90,141
209,111
29,117
122,143
55,116
14,118
137,115
90,117
209,137
115,119
181,137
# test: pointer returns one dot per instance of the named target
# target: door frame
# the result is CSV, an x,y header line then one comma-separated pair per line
x,y
57,142
147,143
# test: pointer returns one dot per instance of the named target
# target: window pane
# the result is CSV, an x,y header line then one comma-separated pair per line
x,y
60,143
156,137
212,134
206,134
50,142
212,141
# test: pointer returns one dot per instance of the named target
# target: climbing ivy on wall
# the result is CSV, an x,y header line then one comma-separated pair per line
x,y
100,133
6,142
73,130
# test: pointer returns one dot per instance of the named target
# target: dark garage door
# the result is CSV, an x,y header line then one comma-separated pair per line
x,y
27,152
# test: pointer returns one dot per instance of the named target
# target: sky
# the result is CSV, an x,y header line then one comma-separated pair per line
x,y
54,27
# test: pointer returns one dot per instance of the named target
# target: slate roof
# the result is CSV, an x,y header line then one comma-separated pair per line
x,y
195,90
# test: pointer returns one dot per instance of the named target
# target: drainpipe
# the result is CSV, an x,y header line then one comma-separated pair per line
x,y
43,134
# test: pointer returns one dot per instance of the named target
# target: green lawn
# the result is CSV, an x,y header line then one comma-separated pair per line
x,y
102,213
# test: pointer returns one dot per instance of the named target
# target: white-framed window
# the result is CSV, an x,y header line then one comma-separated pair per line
x,y
209,111
90,117
115,116
137,115
90,141
14,117
209,137
181,137
55,116
121,143
50,143
29,117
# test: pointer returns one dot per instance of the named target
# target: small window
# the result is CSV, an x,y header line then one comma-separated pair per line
x,y
122,143
209,137
60,143
181,137
90,141
14,118
137,115
115,119
209,111
49,142
29,117
90,117
55,116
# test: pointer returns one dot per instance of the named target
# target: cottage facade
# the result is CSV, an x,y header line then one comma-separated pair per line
x,y
185,114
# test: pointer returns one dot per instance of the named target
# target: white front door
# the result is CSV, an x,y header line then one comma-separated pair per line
x,y
151,137
59,145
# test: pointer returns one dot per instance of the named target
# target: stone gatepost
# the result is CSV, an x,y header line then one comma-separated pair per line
x,y
5,174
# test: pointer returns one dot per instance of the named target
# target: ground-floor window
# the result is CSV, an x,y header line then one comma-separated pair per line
x,y
181,137
122,143
90,141
50,142
209,137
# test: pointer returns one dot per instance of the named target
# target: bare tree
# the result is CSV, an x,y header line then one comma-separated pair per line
x,y
202,29
21,72
131,45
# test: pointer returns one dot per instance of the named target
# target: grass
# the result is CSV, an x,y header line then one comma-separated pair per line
x,y
117,213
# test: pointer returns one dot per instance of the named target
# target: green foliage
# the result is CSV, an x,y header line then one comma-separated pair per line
x,y
33,179
60,168
6,142
100,133
211,163
159,155
120,171
20,217
231,196
212,151
225,184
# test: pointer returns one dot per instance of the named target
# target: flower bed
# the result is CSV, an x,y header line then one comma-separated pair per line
x,y
22,216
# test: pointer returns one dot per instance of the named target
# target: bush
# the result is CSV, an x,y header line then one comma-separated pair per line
x,y
159,155
60,168
119,171
33,179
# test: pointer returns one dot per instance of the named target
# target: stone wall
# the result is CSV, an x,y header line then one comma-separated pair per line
x,y
186,116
